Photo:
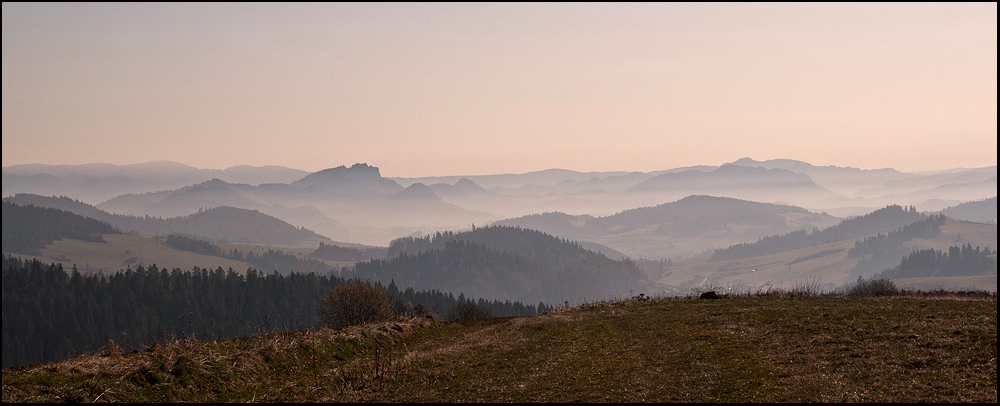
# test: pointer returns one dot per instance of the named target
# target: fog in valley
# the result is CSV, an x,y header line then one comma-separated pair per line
x,y
678,215
206,171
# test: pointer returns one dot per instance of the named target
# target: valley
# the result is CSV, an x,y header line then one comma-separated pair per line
x,y
682,215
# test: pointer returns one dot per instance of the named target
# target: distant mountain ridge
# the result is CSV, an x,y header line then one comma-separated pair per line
x,y
215,224
692,218
844,180
95,183
346,182
356,203
358,194
742,182
693,213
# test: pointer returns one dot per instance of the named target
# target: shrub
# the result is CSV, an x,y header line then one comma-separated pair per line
x,y
465,310
354,303
874,287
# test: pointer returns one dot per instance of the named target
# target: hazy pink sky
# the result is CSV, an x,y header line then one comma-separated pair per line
x,y
467,89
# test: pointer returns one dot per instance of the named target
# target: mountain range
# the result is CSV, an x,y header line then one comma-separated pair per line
x,y
356,204
222,223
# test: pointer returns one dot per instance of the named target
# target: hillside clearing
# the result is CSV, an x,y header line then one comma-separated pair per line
x,y
122,251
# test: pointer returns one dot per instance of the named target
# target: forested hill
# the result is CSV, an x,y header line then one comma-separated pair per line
x,y
507,263
882,220
49,314
980,211
958,261
217,224
28,228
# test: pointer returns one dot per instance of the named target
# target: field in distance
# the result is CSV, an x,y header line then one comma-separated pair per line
x,y
744,349
122,251
825,265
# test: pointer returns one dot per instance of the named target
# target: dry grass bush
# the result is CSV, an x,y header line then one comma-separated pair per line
x,y
874,287
355,303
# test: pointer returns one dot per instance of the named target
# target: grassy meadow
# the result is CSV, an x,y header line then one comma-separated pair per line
x,y
777,348
121,251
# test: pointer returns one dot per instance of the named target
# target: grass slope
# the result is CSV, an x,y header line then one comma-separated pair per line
x,y
807,265
126,250
820,349
123,251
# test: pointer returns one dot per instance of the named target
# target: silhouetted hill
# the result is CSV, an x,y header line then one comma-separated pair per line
x,y
416,192
505,263
547,177
217,224
751,183
981,211
312,218
958,261
61,203
362,200
358,195
133,204
256,175
213,193
358,180
216,193
913,182
695,215
687,217
462,188
555,223
845,180
470,187
883,220
28,228
95,183
728,176
241,225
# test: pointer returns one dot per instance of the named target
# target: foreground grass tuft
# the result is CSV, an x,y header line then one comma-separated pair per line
x,y
763,349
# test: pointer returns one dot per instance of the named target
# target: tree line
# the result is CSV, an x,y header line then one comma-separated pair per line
x,y
881,242
50,314
272,259
347,254
884,250
958,261
26,229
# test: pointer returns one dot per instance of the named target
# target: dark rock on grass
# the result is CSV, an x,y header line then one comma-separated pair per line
x,y
710,295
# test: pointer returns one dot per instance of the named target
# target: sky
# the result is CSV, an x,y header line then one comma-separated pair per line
x,y
435,89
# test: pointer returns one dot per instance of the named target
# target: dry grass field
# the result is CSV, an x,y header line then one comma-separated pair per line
x,y
779,348
121,251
